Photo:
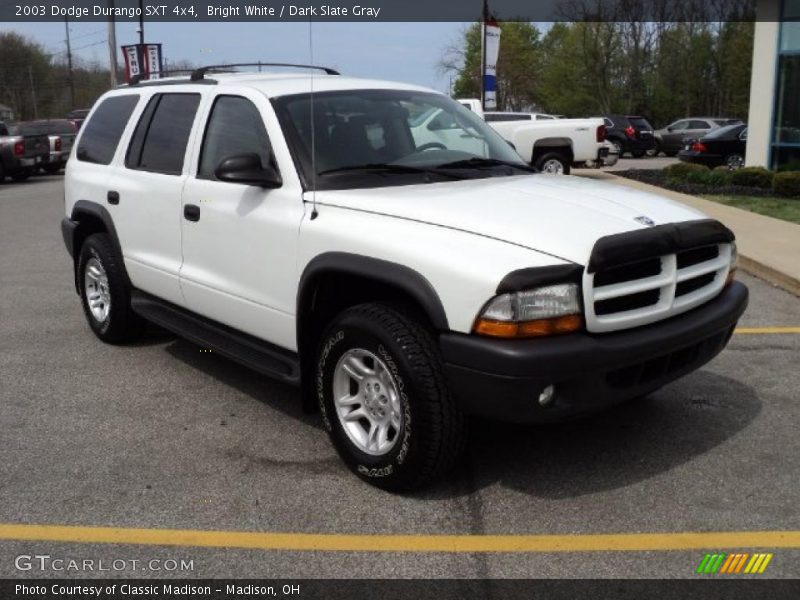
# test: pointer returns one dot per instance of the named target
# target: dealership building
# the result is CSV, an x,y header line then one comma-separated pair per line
x,y
774,120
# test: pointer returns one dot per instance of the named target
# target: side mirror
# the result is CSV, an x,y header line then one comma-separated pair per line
x,y
247,169
670,129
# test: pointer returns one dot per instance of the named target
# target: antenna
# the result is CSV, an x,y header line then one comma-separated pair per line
x,y
314,212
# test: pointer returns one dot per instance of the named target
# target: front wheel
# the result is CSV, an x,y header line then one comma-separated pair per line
x,y
384,400
553,163
104,293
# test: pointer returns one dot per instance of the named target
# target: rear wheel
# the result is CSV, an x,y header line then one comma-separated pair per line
x,y
21,175
734,161
553,163
384,400
638,153
2,173
104,292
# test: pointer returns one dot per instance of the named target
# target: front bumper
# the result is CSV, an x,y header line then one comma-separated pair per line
x,y
503,378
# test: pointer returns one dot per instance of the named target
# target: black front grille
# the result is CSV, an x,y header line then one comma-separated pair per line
x,y
623,303
687,258
691,285
628,272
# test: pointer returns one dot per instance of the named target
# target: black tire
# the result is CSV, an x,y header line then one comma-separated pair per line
x,y
433,430
121,324
52,169
553,156
21,175
671,153
2,173
638,153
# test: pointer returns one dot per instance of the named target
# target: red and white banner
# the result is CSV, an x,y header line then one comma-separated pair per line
x,y
143,61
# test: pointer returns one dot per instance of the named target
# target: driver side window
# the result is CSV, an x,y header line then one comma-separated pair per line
x,y
234,127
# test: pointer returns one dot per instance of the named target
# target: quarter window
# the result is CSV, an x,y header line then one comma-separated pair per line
x,y
101,134
234,127
159,142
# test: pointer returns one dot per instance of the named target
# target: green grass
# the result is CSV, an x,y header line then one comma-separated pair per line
x,y
787,209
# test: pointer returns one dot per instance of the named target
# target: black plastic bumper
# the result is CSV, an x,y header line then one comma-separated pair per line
x,y
503,378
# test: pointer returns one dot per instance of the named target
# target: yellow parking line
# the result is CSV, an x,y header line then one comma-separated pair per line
x,y
757,330
623,542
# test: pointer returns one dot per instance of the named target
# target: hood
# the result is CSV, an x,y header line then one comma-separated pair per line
x,y
558,215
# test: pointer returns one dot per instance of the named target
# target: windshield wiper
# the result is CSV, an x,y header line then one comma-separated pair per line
x,y
478,162
390,168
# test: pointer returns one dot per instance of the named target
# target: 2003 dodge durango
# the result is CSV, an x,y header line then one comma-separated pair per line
x,y
412,270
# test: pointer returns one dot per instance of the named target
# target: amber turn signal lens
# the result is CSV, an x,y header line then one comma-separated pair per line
x,y
528,329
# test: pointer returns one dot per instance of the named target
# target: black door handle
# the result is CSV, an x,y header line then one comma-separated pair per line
x,y
191,212
113,197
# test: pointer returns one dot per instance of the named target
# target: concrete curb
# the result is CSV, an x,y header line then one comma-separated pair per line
x,y
768,248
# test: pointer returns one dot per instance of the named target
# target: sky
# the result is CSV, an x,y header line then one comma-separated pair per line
x,y
407,52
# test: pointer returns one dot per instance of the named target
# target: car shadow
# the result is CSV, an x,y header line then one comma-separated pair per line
x,y
265,390
625,445
613,449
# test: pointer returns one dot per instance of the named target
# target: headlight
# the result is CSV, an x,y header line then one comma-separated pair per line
x,y
542,311
733,264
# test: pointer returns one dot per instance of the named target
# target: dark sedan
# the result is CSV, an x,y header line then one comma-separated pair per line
x,y
722,147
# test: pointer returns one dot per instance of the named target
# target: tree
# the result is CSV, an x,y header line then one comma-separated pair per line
x,y
518,65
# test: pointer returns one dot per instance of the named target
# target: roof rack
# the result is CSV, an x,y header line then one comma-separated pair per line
x,y
199,74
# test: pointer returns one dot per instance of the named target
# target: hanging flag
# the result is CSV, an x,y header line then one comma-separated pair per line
x,y
133,65
491,50
143,61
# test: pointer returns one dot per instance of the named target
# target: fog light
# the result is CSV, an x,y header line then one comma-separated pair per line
x,y
547,395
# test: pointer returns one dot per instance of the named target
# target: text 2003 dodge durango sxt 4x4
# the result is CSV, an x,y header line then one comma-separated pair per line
x,y
411,274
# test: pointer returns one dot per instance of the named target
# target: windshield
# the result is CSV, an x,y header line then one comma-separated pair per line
x,y
371,138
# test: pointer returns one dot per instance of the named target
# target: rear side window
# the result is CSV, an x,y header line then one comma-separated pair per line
x,y
640,123
234,127
699,125
103,131
159,142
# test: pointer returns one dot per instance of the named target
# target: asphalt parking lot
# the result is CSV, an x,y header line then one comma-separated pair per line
x,y
160,435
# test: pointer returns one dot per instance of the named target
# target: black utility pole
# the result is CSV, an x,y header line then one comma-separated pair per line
x,y
141,22
112,47
69,68
483,53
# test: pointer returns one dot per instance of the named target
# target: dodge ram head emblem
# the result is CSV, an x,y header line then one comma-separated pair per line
x,y
645,221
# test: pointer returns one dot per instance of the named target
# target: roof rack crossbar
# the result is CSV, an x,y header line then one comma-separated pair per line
x,y
200,72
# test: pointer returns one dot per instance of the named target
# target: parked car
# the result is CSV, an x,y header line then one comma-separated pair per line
x,y
630,134
78,116
491,116
670,139
404,283
20,153
554,145
61,135
723,146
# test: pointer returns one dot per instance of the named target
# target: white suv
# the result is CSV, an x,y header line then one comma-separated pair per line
x,y
410,282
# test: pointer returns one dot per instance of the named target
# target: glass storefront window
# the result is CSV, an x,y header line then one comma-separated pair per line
x,y
786,138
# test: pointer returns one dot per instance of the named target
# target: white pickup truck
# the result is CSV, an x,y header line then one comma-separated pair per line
x,y
552,145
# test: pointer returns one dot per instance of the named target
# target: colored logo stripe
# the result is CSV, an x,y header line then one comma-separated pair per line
x,y
734,563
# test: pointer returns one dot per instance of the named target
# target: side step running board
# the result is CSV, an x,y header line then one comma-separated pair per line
x,y
250,351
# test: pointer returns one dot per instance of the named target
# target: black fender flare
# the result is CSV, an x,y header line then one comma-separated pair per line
x,y
389,273
95,210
